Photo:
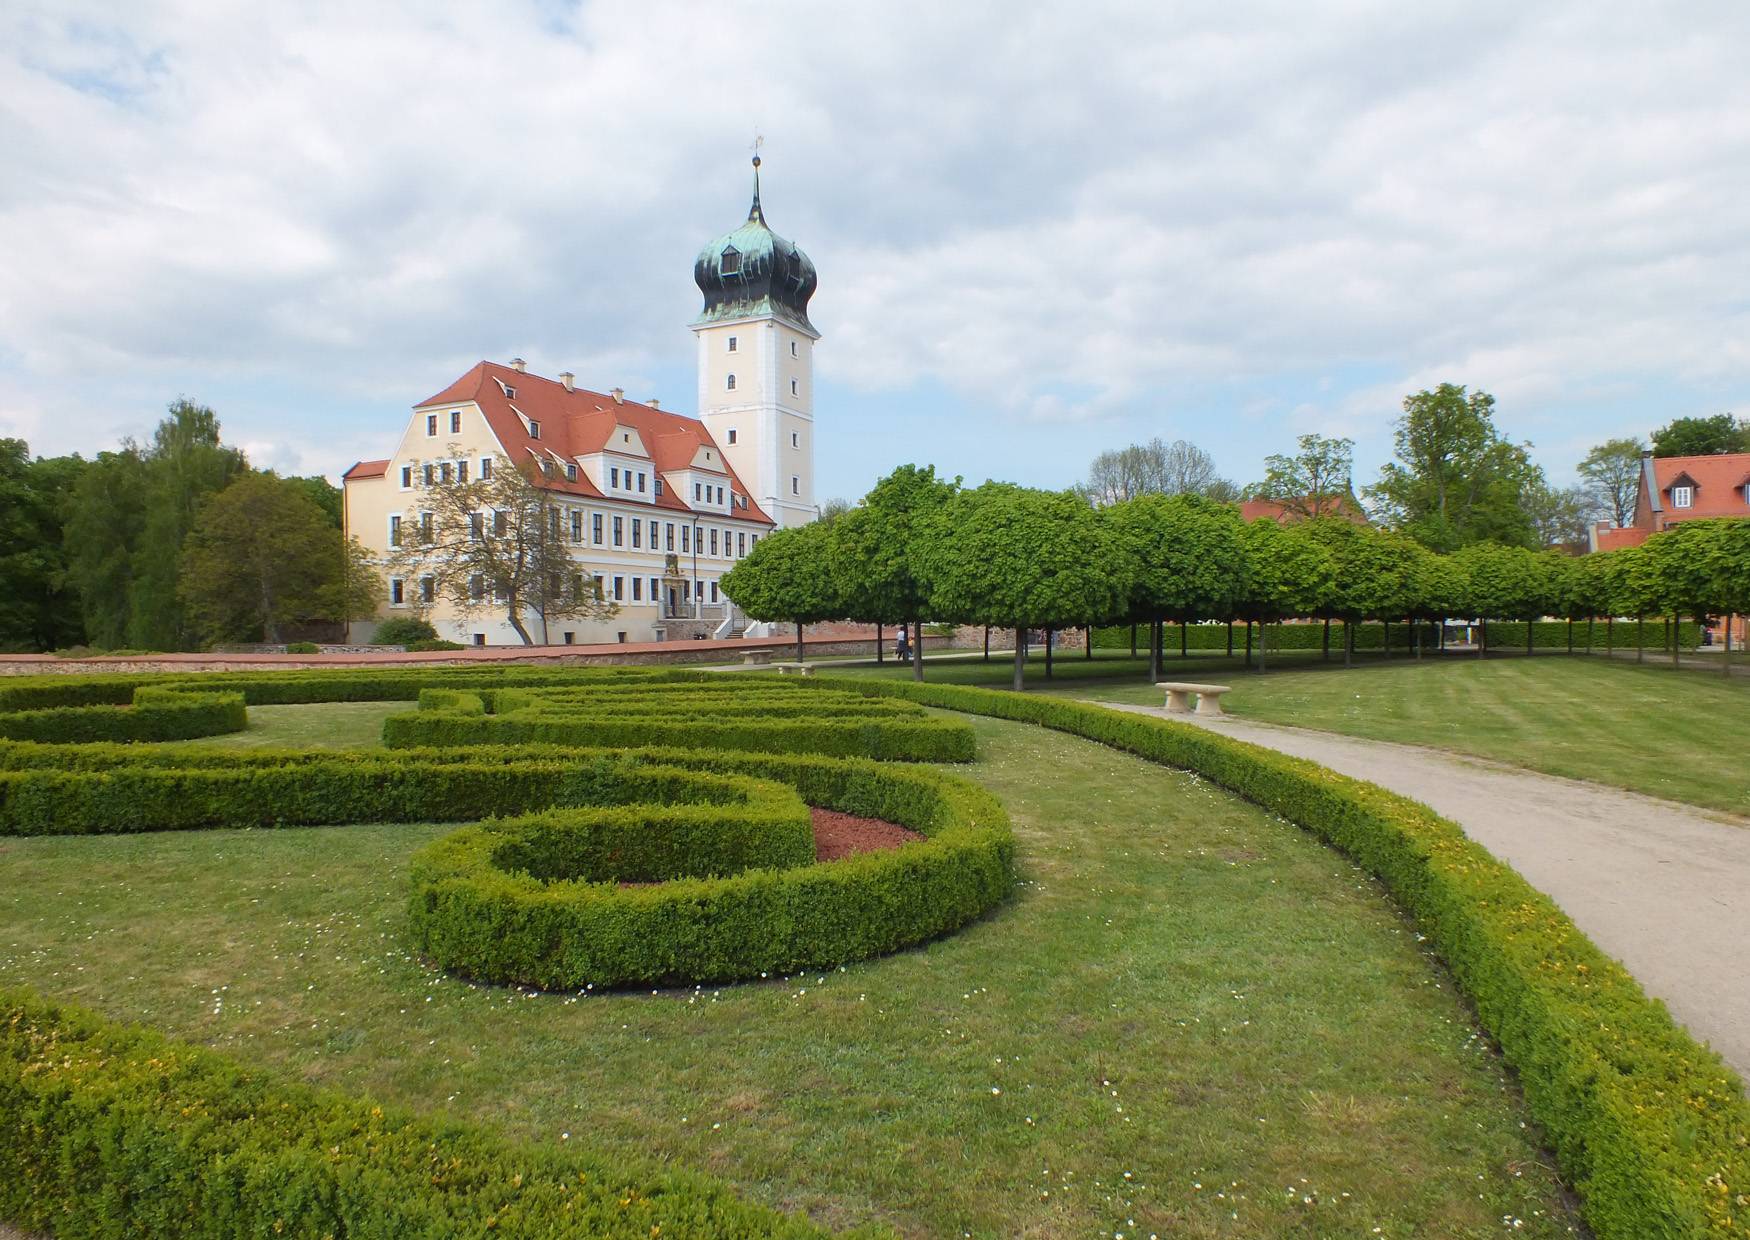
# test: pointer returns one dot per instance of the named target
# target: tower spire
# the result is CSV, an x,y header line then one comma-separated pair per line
x,y
754,214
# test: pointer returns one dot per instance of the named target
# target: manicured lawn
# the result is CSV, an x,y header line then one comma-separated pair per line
x,y
1192,1021
1679,735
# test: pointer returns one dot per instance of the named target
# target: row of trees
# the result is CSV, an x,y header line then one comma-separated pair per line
x,y
921,547
167,545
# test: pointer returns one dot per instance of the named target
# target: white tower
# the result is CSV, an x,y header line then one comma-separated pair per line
x,y
756,362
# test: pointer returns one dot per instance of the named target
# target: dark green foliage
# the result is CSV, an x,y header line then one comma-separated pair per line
x,y
1702,436
1647,1125
110,1130
435,644
39,609
303,648
1504,634
401,630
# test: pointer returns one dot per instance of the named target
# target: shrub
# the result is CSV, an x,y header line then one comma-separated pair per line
x,y
403,631
1647,1124
110,1129
434,643
303,648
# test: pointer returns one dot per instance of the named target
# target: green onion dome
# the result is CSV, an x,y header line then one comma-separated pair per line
x,y
753,272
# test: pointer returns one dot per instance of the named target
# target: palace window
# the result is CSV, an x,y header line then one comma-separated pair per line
x,y
397,592
485,468
640,484
407,477
637,532
713,540
619,589
1682,497
476,526
553,522
427,589
720,497
456,422
637,589
619,532
395,530
577,525
425,527
461,471
595,528
500,524
477,587
431,425
430,474
686,538
668,533
656,488
614,477
740,543
713,591
445,472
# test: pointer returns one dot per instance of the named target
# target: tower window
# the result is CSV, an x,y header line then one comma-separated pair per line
x,y
731,264
730,385
732,344
795,485
795,439
793,350
731,436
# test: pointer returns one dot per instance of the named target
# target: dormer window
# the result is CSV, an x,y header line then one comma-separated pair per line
x,y
570,473
1682,497
534,429
509,391
731,264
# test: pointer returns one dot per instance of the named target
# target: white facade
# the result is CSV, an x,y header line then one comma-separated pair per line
x,y
756,393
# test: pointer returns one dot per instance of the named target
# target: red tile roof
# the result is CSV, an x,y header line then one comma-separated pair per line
x,y
1617,539
367,469
1278,510
579,422
1718,482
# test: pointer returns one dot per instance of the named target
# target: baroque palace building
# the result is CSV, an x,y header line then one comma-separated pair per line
x,y
655,505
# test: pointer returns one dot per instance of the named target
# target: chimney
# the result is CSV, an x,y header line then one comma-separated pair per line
x,y
619,395
517,364
568,379
653,403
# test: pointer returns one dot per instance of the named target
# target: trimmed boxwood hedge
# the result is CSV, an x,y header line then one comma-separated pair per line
x,y
109,1129
1506,636
1651,1128
157,713
470,915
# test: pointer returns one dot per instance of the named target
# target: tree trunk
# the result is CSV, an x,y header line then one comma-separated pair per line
x,y
880,653
1248,643
1020,660
1675,625
987,643
1154,650
799,641
1570,635
1610,635
1089,652
1482,637
1416,637
1230,637
1385,635
1182,639
1348,643
1263,645
1640,639
917,650
1591,623
1530,630
1327,641
1133,640
517,624
1049,634
1726,654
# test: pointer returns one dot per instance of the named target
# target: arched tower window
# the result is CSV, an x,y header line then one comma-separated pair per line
x,y
731,264
731,383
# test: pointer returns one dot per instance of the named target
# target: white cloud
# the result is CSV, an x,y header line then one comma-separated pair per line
x,y
1067,214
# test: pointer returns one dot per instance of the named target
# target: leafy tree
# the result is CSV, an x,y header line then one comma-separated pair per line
x,y
1153,468
874,550
1314,481
497,543
1373,574
39,609
1288,573
1611,473
1506,583
1438,587
262,555
1009,557
1713,436
1189,560
1455,480
788,576
1701,568
185,465
105,517
1560,517
324,494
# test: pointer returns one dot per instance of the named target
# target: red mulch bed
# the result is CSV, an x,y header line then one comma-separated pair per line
x,y
839,835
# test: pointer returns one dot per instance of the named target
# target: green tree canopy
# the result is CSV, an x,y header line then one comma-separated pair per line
x,y
1611,474
789,576
1314,480
873,556
1289,572
39,607
262,555
1015,558
1506,583
1456,481
1713,436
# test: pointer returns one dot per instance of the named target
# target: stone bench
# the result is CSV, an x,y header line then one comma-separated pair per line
x,y
799,669
755,657
1179,697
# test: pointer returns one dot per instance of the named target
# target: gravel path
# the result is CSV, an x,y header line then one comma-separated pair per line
x,y
1663,887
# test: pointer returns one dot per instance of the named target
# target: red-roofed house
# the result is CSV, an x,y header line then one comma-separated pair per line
x,y
656,505
1682,488
1291,510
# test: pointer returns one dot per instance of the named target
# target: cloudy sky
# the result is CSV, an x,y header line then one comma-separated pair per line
x,y
1040,231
